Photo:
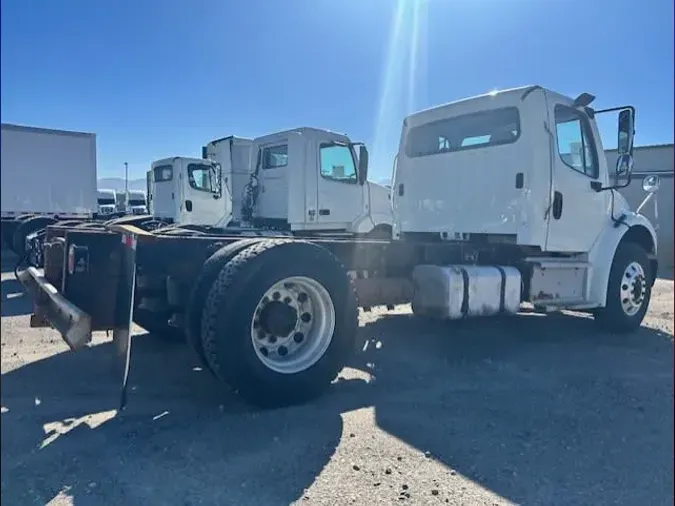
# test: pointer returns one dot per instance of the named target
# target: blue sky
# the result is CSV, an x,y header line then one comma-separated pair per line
x,y
156,78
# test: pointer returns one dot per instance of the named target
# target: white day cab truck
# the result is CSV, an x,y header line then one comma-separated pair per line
x,y
107,202
498,200
303,182
136,202
47,175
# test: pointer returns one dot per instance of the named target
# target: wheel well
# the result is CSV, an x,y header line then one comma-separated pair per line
x,y
381,231
641,236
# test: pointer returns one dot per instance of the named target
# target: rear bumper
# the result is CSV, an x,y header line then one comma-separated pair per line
x,y
53,309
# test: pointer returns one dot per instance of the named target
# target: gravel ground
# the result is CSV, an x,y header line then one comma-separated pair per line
x,y
535,409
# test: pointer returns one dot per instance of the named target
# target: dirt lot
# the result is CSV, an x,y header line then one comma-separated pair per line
x,y
531,410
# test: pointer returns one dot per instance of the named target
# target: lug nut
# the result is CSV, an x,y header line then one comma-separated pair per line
x,y
276,295
302,298
283,351
273,339
264,351
287,300
298,337
306,317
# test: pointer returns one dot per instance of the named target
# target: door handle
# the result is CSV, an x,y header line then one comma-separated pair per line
x,y
188,205
324,212
557,205
401,190
520,180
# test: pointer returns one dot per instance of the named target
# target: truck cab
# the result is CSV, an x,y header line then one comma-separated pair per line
x,y
308,179
188,191
107,201
526,168
136,202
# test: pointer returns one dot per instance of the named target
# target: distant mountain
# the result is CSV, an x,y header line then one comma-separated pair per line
x,y
117,184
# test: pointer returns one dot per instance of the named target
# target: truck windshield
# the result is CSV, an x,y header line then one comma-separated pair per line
x,y
106,201
136,202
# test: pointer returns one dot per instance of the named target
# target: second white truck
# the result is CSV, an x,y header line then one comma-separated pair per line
x,y
304,181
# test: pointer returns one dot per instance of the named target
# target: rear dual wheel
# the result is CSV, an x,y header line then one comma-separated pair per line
x,y
279,322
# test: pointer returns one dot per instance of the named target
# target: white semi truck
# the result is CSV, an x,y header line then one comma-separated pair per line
x,y
303,181
499,200
136,202
46,175
107,202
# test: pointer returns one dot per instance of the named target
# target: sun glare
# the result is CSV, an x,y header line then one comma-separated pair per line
x,y
402,76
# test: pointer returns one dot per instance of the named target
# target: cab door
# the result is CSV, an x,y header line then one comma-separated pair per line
x,y
275,166
163,202
340,196
576,212
200,204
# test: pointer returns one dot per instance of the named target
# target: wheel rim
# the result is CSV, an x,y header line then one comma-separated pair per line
x,y
293,325
633,288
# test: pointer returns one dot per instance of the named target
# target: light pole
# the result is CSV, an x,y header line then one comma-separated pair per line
x,y
126,184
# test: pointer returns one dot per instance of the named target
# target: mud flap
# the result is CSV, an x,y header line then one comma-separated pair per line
x,y
124,308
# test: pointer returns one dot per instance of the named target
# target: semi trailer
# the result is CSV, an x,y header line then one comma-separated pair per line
x,y
46,175
498,200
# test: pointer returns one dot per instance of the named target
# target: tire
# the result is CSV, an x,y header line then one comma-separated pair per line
x,y
228,322
26,228
200,291
157,325
614,317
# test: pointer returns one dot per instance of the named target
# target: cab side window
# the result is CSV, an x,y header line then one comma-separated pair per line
x,y
199,177
337,163
575,141
275,157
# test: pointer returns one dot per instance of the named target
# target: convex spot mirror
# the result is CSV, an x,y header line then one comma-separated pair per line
x,y
650,184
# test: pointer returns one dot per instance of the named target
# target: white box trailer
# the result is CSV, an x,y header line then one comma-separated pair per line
x,y
48,173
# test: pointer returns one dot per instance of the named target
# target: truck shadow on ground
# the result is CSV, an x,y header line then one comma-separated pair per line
x,y
14,300
538,409
539,412
182,439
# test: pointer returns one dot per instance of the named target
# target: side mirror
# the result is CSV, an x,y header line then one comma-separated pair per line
x,y
363,164
624,166
626,132
216,183
651,184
